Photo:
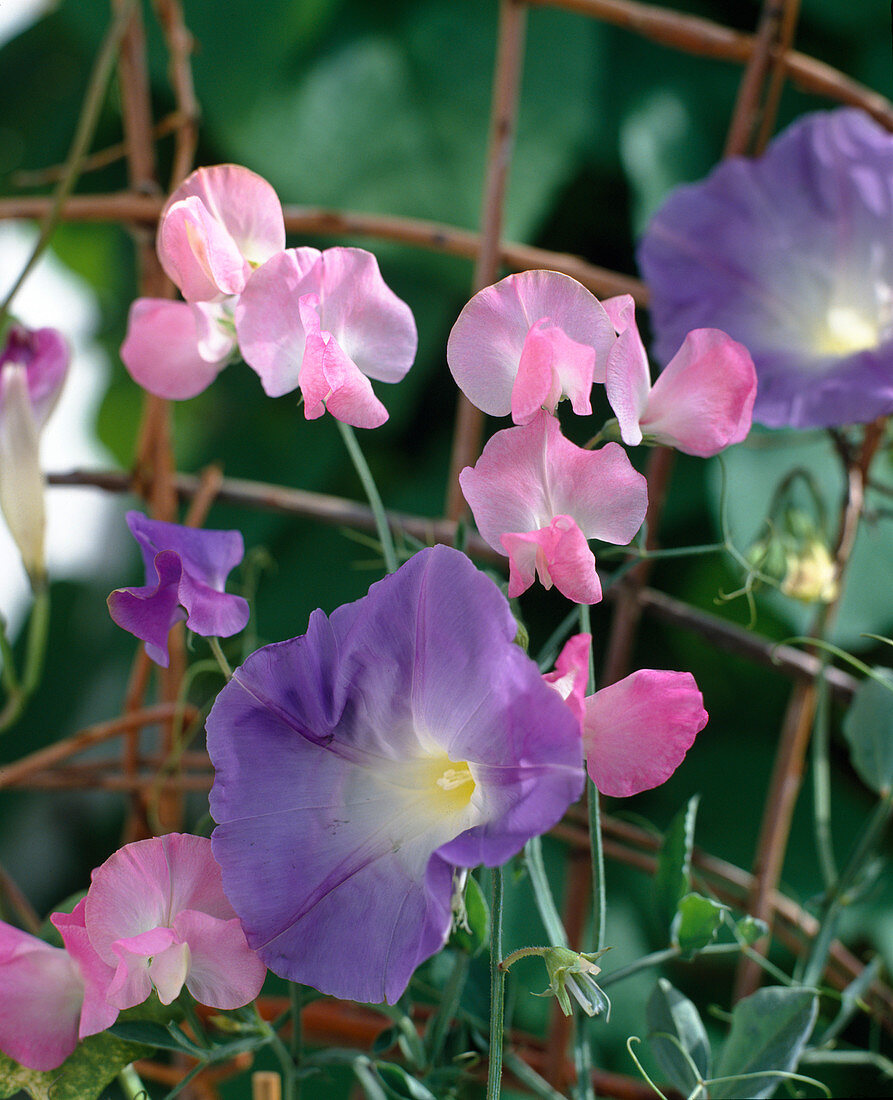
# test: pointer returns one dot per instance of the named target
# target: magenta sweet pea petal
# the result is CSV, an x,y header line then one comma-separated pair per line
x,y
781,253
530,481
186,571
328,322
571,673
41,991
636,732
174,349
403,735
537,334
45,356
218,225
702,401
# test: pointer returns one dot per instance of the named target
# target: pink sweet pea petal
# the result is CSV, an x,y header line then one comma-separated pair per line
x,y
166,346
152,914
529,475
488,340
330,380
132,982
218,224
223,970
97,1013
636,732
559,554
627,378
198,253
703,399
572,673
40,1000
374,330
551,364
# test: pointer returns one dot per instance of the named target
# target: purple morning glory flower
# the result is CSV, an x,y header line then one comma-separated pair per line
x,y
186,571
789,253
357,765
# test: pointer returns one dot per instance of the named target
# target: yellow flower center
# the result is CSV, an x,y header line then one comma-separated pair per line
x,y
847,330
452,784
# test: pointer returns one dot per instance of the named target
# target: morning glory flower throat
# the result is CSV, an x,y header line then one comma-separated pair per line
x,y
358,765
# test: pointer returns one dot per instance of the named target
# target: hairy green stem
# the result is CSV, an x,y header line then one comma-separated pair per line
x,y
220,657
497,990
821,786
23,687
369,487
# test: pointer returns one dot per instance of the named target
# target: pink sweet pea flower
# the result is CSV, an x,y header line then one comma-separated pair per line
x,y
219,224
526,342
636,732
572,673
327,322
156,917
41,991
702,400
537,497
177,349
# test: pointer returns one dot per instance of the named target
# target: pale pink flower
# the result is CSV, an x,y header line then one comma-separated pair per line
x,y
636,732
156,917
177,349
41,991
537,497
526,342
327,322
219,224
702,400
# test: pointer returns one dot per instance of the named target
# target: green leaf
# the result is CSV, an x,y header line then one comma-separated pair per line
x,y
769,1031
400,1084
868,728
696,923
669,1013
152,1034
673,878
82,1076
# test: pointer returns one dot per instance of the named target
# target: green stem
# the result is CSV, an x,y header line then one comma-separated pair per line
x,y
837,900
497,990
35,653
449,1005
542,892
296,1046
658,957
599,909
583,1058
8,675
99,78
220,657
365,475
821,787
131,1085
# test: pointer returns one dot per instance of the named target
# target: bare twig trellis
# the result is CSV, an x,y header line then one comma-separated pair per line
x,y
138,769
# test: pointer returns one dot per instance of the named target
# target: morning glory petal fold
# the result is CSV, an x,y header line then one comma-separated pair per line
x,y
357,765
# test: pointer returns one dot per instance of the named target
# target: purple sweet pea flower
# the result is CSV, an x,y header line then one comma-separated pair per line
x,y
359,764
186,570
788,253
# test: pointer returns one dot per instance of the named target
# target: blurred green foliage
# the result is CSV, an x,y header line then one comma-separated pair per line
x,y
383,107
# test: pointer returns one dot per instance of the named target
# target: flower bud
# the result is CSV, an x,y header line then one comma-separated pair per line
x,y
33,366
